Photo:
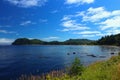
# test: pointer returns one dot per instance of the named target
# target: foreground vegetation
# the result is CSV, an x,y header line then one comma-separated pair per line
x,y
102,70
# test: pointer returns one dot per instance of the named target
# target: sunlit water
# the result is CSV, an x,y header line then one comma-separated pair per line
x,y
18,60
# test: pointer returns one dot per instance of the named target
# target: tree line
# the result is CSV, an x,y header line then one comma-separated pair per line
x,y
109,40
106,40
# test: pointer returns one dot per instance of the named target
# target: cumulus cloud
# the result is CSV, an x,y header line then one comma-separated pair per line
x,y
66,17
97,14
78,1
111,23
27,3
107,21
104,21
6,41
113,31
94,14
72,25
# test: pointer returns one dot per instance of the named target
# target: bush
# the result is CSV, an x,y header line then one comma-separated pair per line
x,y
119,53
76,68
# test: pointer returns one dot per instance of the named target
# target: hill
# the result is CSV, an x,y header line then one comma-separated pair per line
x,y
78,42
25,41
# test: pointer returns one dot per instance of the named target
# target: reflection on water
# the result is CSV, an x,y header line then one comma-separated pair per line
x,y
17,60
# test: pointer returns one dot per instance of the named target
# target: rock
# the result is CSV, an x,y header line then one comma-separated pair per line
x,y
68,53
112,53
92,55
74,52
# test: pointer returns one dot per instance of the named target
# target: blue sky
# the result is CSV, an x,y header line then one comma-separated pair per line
x,y
58,19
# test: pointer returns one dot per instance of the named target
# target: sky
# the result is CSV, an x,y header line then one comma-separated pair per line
x,y
60,20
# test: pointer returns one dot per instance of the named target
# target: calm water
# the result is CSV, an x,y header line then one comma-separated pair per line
x,y
17,60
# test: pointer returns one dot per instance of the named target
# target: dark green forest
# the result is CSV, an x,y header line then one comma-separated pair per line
x,y
109,40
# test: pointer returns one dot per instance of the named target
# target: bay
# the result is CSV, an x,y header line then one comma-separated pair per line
x,y
39,59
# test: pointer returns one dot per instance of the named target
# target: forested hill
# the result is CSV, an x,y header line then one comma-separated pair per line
x,y
109,40
78,42
106,40
25,41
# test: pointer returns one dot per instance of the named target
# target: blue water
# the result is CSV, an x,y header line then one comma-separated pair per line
x,y
18,60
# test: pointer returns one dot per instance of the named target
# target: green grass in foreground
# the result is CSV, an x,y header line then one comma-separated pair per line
x,y
102,70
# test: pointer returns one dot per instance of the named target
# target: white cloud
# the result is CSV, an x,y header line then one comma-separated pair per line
x,y
97,14
6,32
66,17
43,20
6,41
92,33
100,21
87,32
103,18
79,1
27,23
113,31
111,23
54,11
51,38
71,25
86,36
27,3
94,14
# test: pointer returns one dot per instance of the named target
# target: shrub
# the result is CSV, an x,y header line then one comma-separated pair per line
x,y
76,68
119,53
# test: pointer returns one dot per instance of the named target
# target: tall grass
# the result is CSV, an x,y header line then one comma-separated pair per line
x,y
104,70
53,75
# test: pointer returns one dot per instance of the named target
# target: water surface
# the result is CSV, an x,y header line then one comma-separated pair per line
x,y
18,60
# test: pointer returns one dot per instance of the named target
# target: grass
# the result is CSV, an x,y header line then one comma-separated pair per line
x,y
102,70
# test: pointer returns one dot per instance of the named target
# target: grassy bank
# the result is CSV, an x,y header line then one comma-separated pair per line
x,y
102,70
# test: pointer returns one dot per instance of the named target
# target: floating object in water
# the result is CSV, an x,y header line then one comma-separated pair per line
x,y
112,53
92,55
74,52
68,53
